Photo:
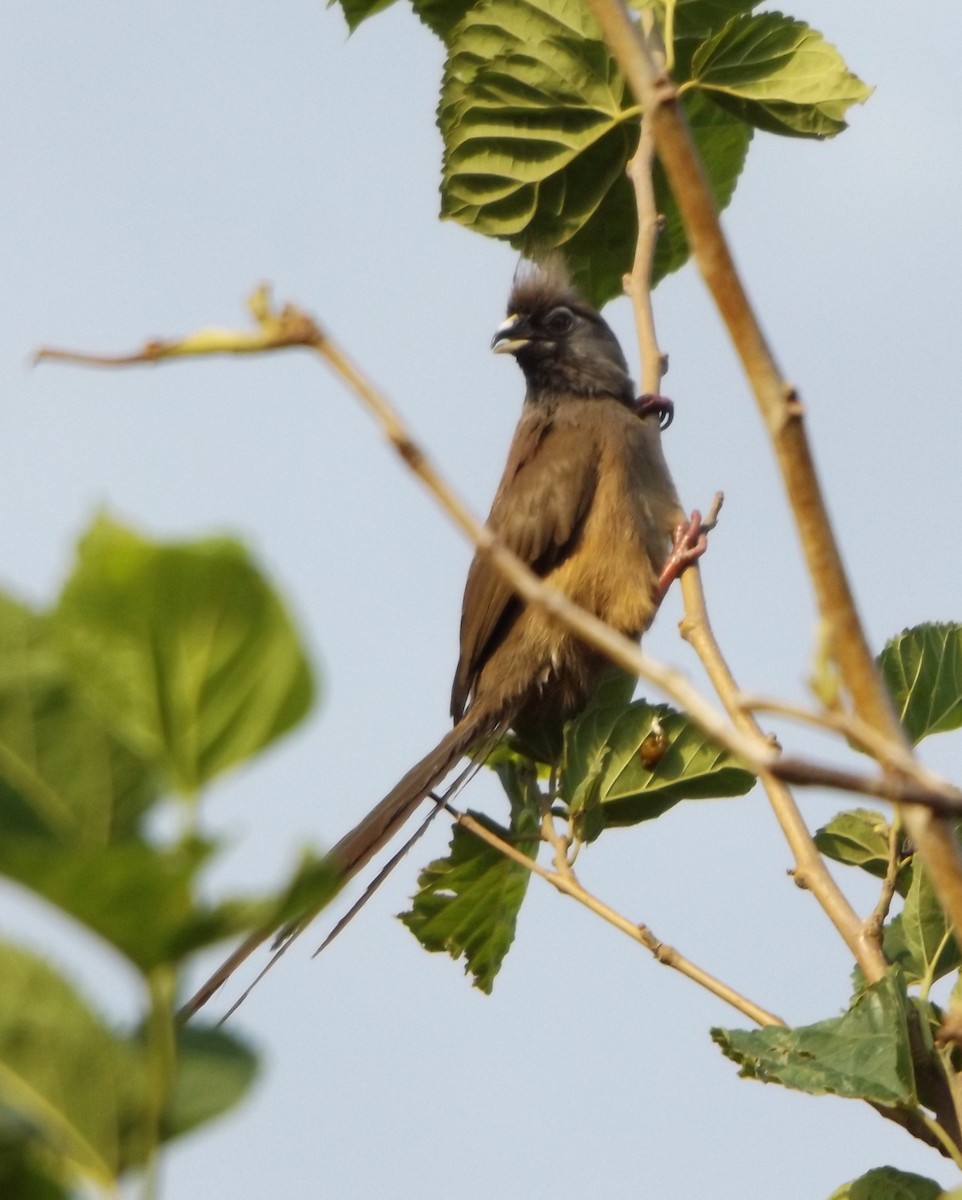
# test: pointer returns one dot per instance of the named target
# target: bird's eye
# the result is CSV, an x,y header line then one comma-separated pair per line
x,y
560,320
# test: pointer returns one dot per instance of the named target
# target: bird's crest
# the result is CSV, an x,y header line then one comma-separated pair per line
x,y
543,285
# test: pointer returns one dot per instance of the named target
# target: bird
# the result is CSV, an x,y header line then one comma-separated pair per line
x,y
586,500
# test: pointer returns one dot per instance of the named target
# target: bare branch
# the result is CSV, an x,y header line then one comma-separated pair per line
x,y
876,919
810,869
654,364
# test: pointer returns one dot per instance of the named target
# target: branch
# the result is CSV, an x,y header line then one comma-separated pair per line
x,y
654,364
783,415
293,328
290,327
875,921
566,883
810,872
840,721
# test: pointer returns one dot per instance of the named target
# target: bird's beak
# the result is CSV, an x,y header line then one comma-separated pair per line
x,y
510,336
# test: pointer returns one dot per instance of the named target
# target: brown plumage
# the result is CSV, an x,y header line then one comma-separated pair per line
x,y
587,502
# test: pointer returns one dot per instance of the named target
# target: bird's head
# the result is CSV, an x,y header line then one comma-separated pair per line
x,y
563,346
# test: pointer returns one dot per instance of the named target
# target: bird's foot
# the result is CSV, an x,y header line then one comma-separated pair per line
x,y
689,543
651,402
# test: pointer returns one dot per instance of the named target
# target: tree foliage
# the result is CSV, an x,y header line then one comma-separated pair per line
x,y
159,666
162,665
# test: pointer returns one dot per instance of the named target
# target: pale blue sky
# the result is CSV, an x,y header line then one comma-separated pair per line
x,y
161,160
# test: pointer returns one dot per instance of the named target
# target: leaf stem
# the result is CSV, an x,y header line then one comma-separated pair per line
x,y
949,1147
161,1065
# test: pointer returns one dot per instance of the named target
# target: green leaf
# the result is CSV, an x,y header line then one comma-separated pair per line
x,y
441,16
778,74
184,649
605,766
137,897
918,939
864,1054
79,1090
467,904
888,1183
860,838
702,18
538,127
693,22
922,669
314,883
214,1072
356,11
63,774
26,1171
142,899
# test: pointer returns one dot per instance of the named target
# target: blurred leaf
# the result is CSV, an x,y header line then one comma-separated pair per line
x,y
315,881
79,1089
142,899
467,904
779,75
184,649
860,838
63,773
137,897
918,938
887,1183
605,765
864,1054
922,668
214,1072
538,127
26,1171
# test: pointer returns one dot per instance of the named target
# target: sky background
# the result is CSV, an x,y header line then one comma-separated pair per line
x,y
161,160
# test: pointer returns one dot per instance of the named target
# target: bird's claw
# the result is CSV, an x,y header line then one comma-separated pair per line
x,y
651,402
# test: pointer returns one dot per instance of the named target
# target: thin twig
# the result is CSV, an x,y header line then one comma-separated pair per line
x,y
654,364
897,789
568,885
840,721
810,871
876,919
558,842
782,413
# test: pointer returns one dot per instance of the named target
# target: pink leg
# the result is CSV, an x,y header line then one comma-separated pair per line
x,y
689,543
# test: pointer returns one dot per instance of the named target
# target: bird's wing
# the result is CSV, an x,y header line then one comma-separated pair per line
x,y
547,488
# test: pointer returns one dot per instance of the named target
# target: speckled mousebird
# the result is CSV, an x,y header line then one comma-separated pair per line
x,y
586,500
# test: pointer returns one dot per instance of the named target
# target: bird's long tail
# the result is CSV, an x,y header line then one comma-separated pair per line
x,y
359,846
